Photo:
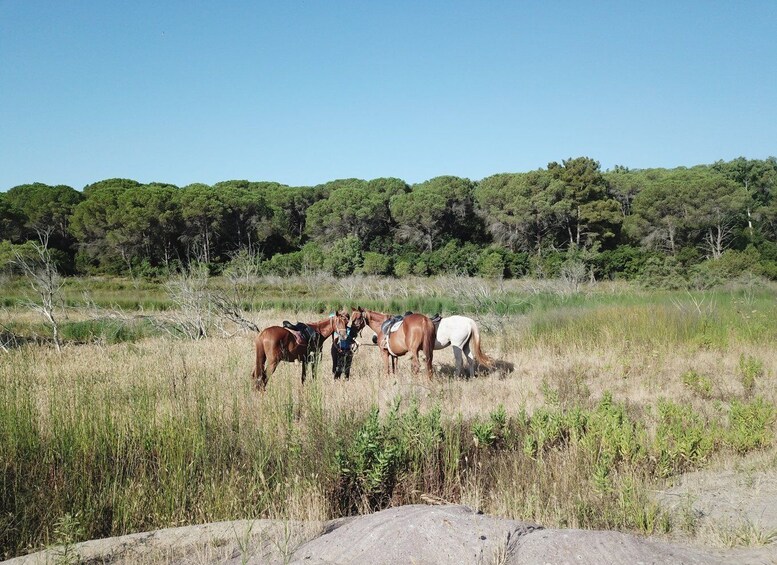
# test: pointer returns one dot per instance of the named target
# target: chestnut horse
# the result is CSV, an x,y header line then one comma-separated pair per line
x,y
417,333
276,344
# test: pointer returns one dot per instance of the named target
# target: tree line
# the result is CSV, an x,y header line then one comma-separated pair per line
x,y
710,220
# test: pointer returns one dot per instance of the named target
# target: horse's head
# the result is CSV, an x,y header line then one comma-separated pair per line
x,y
358,320
340,324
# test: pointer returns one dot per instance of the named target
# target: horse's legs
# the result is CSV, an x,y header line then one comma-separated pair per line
x,y
415,364
272,363
458,356
470,360
386,360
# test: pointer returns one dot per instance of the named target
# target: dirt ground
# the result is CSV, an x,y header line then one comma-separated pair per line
x,y
444,534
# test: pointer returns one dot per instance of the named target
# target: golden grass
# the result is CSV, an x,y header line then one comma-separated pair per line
x,y
566,357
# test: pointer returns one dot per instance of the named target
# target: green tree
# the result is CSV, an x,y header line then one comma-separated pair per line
x,y
434,211
204,211
757,179
96,222
290,206
249,217
356,208
46,209
149,225
344,257
716,208
660,213
518,209
624,185
582,204
12,221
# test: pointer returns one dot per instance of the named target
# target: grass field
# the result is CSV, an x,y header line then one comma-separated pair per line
x,y
602,395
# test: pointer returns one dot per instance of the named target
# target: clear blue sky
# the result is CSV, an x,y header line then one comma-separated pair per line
x,y
303,92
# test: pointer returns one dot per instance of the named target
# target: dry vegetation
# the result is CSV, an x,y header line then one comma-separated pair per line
x,y
600,398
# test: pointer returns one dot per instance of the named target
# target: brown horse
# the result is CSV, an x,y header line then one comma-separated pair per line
x,y
417,333
276,344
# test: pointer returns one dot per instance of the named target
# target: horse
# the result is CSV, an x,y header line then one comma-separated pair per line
x,y
343,349
459,332
417,333
276,344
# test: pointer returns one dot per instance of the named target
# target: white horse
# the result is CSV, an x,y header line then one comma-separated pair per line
x,y
459,332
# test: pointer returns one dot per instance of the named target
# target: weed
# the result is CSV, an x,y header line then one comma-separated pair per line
x,y
751,370
699,384
750,425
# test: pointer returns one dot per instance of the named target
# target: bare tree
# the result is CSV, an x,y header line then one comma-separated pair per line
x,y
188,292
41,271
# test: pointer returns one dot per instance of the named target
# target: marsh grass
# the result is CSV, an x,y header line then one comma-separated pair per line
x,y
113,437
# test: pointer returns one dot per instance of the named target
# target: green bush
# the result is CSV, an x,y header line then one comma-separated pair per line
x,y
684,439
697,383
750,370
624,262
376,263
491,265
402,268
663,272
750,425
284,264
344,257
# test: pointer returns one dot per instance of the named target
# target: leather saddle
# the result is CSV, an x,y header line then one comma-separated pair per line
x,y
302,332
392,324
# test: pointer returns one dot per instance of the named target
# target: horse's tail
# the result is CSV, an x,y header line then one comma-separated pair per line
x,y
430,336
259,375
481,357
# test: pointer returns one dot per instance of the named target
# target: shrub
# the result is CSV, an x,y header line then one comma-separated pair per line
x,y
683,438
284,264
491,265
697,383
376,263
750,425
750,370
344,257
493,432
663,272
624,262
402,268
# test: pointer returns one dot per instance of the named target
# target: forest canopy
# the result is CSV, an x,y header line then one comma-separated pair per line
x,y
670,225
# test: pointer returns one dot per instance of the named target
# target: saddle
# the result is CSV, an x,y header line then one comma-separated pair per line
x,y
303,333
393,323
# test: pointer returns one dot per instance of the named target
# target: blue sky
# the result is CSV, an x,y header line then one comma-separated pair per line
x,y
303,92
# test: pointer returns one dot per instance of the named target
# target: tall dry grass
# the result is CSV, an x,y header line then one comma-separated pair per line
x,y
159,432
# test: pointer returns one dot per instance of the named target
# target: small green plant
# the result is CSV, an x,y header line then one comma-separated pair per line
x,y
67,531
699,384
684,439
494,431
750,425
751,370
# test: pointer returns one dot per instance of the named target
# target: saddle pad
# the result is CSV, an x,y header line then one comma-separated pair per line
x,y
297,336
390,326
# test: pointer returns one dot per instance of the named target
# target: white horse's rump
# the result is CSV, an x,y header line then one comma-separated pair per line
x,y
459,332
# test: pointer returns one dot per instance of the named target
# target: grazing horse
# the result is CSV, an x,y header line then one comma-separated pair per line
x,y
417,333
460,332
276,344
